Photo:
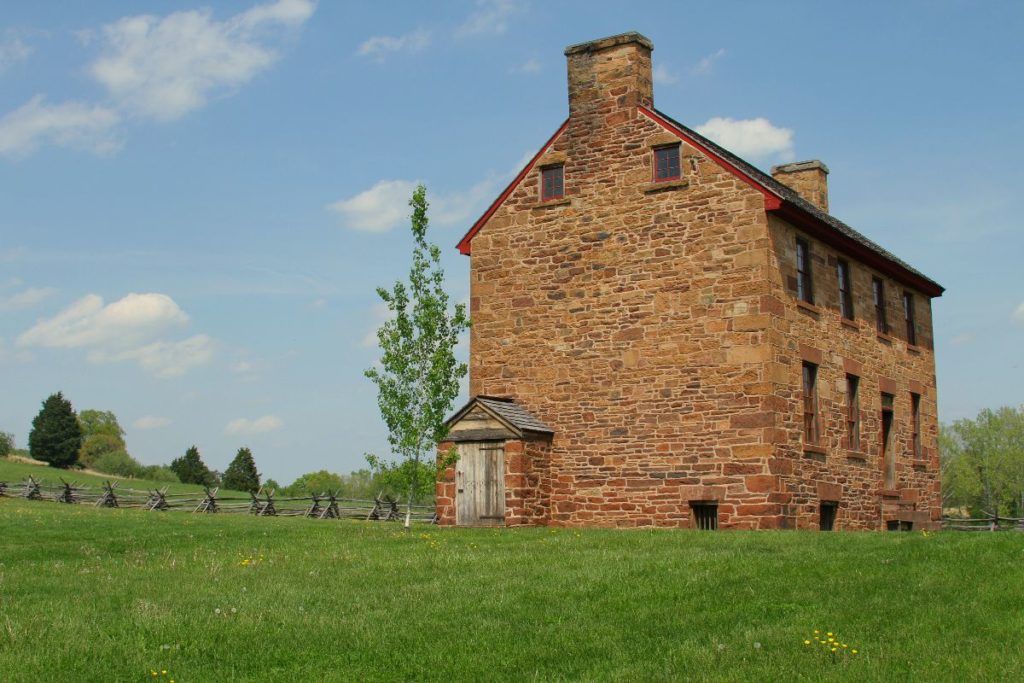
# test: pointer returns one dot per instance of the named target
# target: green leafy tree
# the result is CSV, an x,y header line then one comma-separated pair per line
x,y
418,377
318,482
56,436
101,433
96,446
118,463
100,422
983,462
398,478
241,474
6,444
191,469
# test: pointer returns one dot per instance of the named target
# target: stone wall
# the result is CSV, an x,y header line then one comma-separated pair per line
x,y
883,362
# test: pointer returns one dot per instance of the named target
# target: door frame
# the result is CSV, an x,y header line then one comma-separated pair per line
x,y
477,449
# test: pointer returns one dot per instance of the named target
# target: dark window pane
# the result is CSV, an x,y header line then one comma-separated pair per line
x,y
908,314
878,291
804,291
552,183
810,392
666,163
845,291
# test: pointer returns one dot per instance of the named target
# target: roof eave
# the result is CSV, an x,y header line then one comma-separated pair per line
x,y
821,230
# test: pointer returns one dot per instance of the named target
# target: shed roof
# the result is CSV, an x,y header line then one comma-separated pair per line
x,y
506,410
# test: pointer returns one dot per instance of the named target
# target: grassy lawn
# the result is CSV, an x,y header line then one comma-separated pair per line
x,y
106,595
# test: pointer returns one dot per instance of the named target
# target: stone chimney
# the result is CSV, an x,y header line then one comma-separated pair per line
x,y
608,78
808,178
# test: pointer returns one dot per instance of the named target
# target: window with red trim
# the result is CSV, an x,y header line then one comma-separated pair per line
x,y
552,182
666,163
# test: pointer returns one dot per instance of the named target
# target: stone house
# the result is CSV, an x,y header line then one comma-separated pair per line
x,y
664,335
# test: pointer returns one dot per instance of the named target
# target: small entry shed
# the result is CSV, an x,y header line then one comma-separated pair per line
x,y
502,455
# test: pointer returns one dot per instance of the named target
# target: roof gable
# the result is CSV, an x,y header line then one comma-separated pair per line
x,y
464,244
494,417
779,199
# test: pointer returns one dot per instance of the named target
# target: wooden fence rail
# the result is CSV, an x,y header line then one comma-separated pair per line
x,y
990,522
263,503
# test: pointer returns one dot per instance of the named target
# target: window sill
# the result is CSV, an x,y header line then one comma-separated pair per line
x,y
914,349
920,465
551,203
857,456
890,493
850,324
813,449
809,309
886,338
663,185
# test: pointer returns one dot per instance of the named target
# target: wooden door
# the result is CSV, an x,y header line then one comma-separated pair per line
x,y
480,484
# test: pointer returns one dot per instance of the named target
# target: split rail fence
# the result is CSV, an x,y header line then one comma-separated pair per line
x,y
263,503
990,522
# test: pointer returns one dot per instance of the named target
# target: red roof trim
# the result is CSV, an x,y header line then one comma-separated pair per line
x,y
812,225
771,200
464,244
799,218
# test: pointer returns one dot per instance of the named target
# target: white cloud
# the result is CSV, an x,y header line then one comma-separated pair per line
x,y
490,18
27,298
163,359
128,329
87,322
12,50
151,422
385,206
1018,313
755,138
706,63
245,427
529,67
379,47
663,76
165,67
379,209
70,124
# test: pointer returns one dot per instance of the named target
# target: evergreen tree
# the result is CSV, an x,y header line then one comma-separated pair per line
x,y
191,469
56,436
241,474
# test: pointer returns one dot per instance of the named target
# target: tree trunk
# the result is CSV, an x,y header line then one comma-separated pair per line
x,y
412,489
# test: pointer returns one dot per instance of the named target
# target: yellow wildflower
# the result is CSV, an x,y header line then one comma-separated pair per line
x,y
829,633
833,649
853,651
807,642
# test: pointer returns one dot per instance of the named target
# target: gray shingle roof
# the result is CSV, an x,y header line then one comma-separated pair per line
x,y
792,197
514,414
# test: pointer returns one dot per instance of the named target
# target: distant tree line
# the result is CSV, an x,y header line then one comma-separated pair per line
x,y
94,440
983,463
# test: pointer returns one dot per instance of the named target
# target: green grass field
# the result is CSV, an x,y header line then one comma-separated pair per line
x,y
111,595
14,472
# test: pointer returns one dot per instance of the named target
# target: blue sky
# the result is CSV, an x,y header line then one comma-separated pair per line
x,y
198,200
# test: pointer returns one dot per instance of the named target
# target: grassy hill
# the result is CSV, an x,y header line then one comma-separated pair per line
x,y
89,594
14,472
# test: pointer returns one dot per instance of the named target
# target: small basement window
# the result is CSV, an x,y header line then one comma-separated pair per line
x,y
827,510
552,182
666,163
705,515
897,525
